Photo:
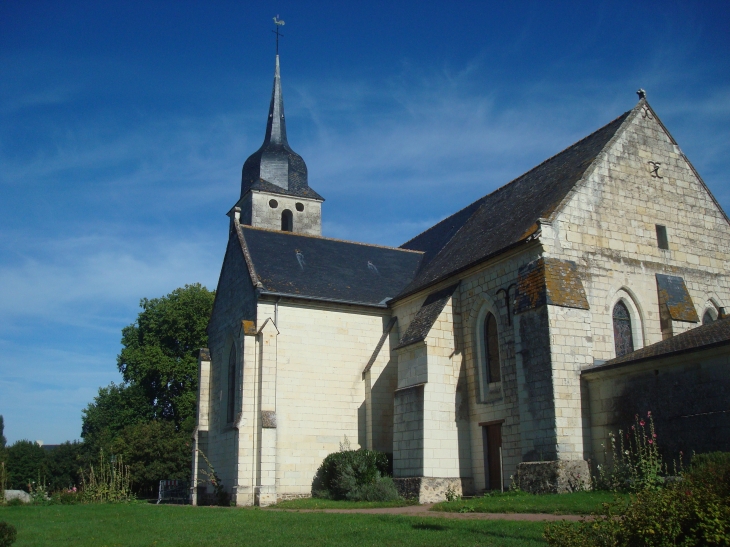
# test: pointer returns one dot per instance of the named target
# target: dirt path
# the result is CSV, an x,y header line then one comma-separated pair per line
x,y
424,511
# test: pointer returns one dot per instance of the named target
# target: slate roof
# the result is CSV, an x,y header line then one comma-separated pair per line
x,y
305,266
715,334
421,324
507,216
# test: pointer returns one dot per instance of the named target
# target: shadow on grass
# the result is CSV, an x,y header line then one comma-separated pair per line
x,y
429,526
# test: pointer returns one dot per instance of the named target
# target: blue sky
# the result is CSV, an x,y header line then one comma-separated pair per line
x,y
124,125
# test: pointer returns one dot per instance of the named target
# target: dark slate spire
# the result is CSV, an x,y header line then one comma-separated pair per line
x,y
275,167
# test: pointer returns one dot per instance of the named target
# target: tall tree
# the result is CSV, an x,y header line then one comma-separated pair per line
x,y
161,349
148,418
3,440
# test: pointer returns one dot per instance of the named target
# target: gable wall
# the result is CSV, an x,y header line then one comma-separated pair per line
x,y
608,227
235,301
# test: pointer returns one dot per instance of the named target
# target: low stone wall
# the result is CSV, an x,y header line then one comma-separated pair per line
x,y
432,489
553,477
21,495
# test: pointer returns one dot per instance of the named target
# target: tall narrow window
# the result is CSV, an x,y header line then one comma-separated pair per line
x,y
231,402
287,221
622,336
661,237
491,349
708,318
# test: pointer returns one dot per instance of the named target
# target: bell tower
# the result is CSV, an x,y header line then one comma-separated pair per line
x,y
275,192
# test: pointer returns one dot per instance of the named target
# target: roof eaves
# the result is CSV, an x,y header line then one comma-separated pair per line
x,y
612,366
378,305
440,279
246,255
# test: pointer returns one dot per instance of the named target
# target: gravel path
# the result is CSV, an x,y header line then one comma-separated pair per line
x,y
424,511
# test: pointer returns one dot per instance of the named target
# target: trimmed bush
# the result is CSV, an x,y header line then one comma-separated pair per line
x,y
383,489
8,534
355,475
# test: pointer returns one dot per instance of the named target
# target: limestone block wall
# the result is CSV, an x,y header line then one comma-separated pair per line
x,y
687,395
408,432
489,289
571,346
257,211
322,351
608,227
235,301
442,425
431,431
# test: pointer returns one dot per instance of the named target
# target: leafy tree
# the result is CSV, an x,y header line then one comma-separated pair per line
x,y
161,350
113,409
26,463
149,417
3,440
64,464
154,451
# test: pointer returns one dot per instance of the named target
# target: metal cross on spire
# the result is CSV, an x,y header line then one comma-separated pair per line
x,y
279,23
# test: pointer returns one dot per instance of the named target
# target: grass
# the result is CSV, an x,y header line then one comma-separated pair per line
x,y
180,526
575,503
318,503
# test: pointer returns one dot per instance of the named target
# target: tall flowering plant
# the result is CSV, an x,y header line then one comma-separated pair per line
x,y
635,461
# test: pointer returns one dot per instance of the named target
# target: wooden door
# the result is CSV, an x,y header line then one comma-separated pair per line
x,y
492,436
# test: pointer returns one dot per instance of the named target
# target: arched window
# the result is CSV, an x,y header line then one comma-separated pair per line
x,y
491,349
287,221
622,336
231,402
708,318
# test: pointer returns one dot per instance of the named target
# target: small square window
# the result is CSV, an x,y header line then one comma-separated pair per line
x,y
661,237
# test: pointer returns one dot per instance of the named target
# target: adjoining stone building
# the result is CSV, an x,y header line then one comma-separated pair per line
x,y
474,347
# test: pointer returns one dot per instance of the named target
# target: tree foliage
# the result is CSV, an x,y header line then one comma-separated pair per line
x,y
161,350
64,464
3,440
113,409
26,463
149,417
153,451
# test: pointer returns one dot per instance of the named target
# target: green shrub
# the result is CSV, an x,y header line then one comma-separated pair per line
x,y
344,474
383,489
341,473
711,471
685,513
8,534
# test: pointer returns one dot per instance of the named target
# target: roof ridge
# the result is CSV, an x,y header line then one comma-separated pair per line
x,y
299,234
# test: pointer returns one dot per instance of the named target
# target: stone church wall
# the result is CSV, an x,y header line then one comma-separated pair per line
x,y
235,301
489,288
686,394
322,351
257,210
608,227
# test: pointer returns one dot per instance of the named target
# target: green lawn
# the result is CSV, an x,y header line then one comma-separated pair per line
x,y
317,503
575,503
150,525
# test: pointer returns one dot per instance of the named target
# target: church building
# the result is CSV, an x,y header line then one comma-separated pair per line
x,y
507,340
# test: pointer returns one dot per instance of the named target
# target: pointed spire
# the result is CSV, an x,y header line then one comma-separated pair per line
x,y
276,125
275,163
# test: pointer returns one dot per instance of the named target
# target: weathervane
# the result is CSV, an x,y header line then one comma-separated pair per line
x,y
279,23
